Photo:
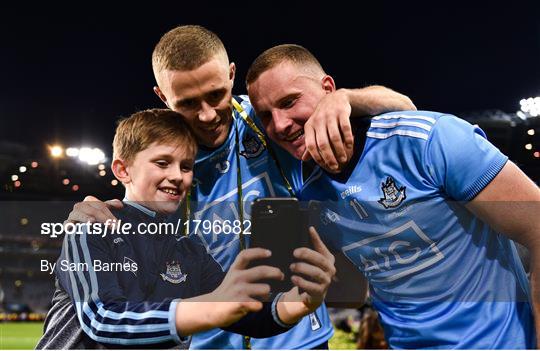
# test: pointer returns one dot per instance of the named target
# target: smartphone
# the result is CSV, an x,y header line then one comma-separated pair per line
x,y
280,225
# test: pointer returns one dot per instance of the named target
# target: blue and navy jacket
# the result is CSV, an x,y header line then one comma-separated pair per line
x,y
123,289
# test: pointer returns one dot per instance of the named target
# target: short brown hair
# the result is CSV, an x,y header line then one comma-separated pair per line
x,y
185,48
274,56
137,132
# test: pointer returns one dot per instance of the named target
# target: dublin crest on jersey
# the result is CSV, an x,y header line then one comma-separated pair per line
x,y
174,273
252,146
393,196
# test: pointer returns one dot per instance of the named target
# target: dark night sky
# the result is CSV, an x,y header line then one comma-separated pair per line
x,y
68,73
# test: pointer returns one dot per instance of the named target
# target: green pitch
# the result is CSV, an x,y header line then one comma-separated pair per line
x,y
24,336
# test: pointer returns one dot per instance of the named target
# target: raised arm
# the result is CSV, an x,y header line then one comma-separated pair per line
x,y
328,133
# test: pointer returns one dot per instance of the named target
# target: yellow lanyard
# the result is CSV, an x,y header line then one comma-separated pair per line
x,y
262,139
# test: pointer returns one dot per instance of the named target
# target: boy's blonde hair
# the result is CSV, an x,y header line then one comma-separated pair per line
x,y
143,128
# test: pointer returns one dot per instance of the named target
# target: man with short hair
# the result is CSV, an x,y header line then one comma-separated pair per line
x,y
418,209
236,163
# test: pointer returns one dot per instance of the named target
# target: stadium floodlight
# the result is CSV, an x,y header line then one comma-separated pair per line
x,y
72,152
531,106
91,156
56,151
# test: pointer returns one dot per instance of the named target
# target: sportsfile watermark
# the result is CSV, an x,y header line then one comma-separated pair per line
x,y
179,227
406,250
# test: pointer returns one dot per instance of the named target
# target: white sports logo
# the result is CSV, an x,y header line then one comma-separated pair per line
x,y
391,259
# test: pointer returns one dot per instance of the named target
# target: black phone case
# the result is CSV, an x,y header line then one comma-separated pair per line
x,y
281,225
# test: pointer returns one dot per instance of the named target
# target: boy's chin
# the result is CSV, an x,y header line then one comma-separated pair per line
x,y
166,208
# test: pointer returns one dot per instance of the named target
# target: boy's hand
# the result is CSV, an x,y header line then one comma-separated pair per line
x,y
317,268
93,210
236,296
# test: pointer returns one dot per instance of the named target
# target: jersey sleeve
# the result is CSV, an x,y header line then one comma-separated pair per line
x,y
460,160
102,308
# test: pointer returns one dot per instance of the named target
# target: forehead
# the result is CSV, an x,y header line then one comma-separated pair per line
x,y
180,150
211,75
278,82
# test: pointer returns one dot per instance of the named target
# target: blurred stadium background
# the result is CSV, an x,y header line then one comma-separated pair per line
x,y
53,177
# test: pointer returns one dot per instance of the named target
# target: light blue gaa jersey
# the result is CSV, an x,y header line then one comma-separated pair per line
x,y
439,277
216,192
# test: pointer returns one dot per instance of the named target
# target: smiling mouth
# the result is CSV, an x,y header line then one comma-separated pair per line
x,y
170,191
295,136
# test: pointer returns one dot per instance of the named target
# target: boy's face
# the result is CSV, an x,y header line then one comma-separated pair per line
x,y
160,176
203,97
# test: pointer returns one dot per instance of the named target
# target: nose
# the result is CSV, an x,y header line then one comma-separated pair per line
x,y
175,175
207,114
282,123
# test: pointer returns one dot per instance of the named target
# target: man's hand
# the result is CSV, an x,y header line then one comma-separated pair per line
x,y
317,270
93,210
328,134
238,294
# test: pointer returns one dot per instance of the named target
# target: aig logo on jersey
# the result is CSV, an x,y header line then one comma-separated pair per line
x,y
392,195
174,273
252,146
398,253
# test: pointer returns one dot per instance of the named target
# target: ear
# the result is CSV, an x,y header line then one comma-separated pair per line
x,y
120,170
232,71
160,94
328,84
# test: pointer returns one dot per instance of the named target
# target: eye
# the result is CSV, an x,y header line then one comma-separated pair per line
x,y
215,96
161,163
188,104
288,103
186,167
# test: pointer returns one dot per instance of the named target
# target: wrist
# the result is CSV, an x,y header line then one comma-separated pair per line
x,y
194,315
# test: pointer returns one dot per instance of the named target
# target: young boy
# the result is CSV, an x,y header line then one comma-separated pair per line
x,y
139,289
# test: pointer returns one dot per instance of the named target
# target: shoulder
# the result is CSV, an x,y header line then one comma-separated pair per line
x,y
403,124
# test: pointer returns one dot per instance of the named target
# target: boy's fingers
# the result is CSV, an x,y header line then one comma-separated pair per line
x,y
262,272
313,289
245,257
318,244
258,290
313,273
